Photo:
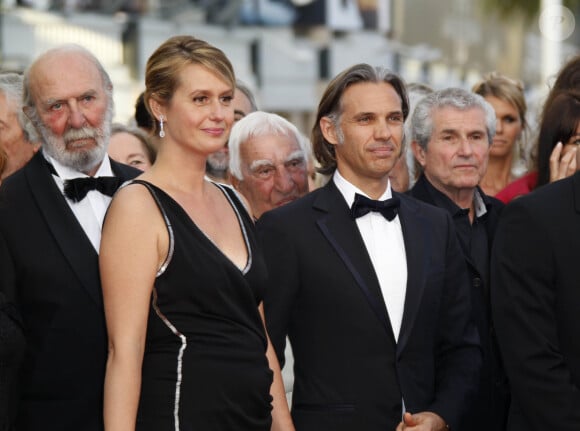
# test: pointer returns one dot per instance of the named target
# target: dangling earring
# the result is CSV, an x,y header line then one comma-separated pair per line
x,y
161,131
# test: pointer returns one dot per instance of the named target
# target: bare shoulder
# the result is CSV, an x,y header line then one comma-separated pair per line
x,y
133,196
133,206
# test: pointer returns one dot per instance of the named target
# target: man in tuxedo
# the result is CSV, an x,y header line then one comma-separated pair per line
x,y
52,240
535,298
453,132
374,296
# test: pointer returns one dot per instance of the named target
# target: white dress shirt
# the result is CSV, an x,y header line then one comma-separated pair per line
x,y
386,248
90,212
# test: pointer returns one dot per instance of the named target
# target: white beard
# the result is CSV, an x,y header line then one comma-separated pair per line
x,y
79,160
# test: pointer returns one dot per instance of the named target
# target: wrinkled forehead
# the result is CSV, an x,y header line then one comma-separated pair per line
x,y
64,74
277,148
449,115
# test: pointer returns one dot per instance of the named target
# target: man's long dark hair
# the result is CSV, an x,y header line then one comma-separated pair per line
x,y
330,106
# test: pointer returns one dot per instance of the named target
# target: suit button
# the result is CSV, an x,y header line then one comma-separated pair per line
x,y
476,282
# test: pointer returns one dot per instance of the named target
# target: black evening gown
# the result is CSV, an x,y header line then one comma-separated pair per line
x,y
204,366
12,345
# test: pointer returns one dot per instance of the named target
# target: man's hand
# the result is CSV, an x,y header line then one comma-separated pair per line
x,y
424,421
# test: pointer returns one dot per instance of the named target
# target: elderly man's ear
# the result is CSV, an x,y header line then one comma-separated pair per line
x,y
418,152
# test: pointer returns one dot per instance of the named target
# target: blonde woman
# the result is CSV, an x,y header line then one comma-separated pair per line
x,y
182,278
507,160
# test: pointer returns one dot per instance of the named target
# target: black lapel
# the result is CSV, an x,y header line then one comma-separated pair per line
x,y
66,230
494,209
342,233
417,248
420,191
124,172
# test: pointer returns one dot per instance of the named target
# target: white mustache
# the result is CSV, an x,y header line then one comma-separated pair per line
x,y
77,134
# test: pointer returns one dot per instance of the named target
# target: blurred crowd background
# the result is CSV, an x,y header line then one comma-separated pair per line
x,y
287,50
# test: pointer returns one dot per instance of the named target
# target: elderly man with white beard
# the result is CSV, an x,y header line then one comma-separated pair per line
x,y
51,213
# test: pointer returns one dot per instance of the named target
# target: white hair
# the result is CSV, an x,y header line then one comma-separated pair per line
x,y
260,123
12,88
458,98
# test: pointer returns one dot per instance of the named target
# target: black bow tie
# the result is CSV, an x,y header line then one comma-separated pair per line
x,y
363,205
77,188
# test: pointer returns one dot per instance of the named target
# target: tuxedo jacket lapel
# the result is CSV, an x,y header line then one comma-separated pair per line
x,y
417,246
342,233
124,172
66,230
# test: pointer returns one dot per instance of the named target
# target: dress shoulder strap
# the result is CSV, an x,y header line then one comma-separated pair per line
x,y
155,196
237,201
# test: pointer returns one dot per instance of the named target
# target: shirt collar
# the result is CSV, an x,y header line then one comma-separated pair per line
x,y
348,190
66,173
479,204
443,201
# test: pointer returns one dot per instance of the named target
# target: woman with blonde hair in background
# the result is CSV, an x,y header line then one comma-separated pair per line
x,y
182,278
507,156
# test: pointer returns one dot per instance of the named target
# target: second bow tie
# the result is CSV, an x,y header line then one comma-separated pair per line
x,y
77,188
363,205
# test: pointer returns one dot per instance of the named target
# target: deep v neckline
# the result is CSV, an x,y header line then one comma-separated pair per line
x,y
211,243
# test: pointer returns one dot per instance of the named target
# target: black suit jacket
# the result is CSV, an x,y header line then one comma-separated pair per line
x,y
535,295
494,207
325,295
54,271
489,412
